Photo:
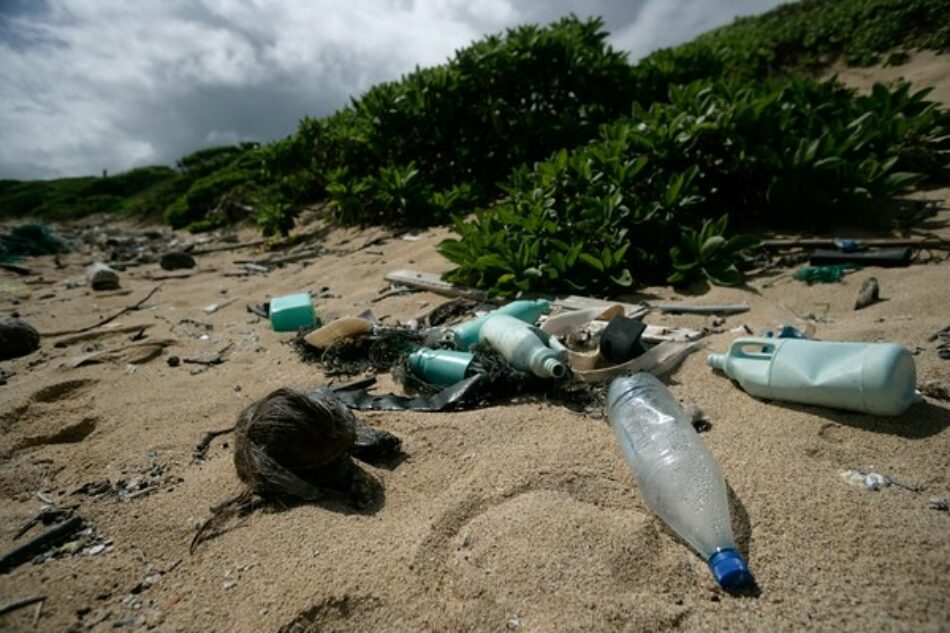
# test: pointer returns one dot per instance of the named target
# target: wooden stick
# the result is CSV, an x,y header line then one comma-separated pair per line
x,y
115,316
38,545
19,604
686,308
229,247
13,268
919,242
201,450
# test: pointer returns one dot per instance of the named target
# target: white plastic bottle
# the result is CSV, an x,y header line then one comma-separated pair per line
x,y
678,476
525,346
878,378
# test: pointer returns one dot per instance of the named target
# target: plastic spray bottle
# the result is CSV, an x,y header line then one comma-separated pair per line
x,y
878,378
525,346
678,477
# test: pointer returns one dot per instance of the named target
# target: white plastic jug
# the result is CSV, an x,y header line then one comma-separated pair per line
x,y
878,378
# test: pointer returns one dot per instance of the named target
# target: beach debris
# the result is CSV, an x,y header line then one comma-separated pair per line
x,y
13,268
174,361
290,313
785,331
466,334
873,481
176,260
217,359
824,274
133,354
295,445
943,342
685,308
869,293
658,360
201,449
28,240
101,277
343,328
17,338
940,505
214,307
135,306
883,257
49,515
40,544
22,603
620,340
933,389
440,366
526,347
820,373
676,473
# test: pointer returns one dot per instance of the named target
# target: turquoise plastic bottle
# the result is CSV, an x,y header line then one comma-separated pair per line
x,y
466,334
440,366
878,378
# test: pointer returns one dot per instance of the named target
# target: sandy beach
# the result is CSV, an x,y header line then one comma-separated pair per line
x,y
521,517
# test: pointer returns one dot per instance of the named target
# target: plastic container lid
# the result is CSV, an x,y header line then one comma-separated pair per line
x,y
730,570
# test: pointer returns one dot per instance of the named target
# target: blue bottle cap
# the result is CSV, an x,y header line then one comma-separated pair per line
x,y
730,570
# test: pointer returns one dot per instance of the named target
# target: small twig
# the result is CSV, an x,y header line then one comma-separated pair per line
x,y
38,612
19,604
38,545
13,268
229,247
217,360
115,316
201,450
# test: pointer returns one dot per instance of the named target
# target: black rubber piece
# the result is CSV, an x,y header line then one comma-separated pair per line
x,y
620,341
884,257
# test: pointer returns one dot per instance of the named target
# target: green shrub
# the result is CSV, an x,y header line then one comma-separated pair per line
x,y
791,152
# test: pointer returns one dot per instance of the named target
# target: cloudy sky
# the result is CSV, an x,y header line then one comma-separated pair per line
x,y
87,85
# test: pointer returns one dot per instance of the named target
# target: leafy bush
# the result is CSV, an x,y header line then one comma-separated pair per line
x,y
795,152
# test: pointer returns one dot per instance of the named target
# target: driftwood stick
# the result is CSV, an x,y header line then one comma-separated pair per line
x,y
115,316
38,545
19,604
229,247
201,450
917,242
13,268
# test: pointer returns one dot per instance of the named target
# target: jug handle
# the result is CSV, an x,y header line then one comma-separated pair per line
x,y
765,348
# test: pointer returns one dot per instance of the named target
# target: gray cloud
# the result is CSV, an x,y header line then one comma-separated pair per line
x,y
87,85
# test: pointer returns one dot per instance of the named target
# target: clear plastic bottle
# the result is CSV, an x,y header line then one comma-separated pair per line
x,y
678,477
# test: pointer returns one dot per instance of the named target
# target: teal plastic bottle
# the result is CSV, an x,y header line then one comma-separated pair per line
x,y
440,366
466,334
878,378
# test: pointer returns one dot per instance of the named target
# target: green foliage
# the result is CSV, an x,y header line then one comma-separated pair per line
x,y
709,252
805,35
274,218
795,152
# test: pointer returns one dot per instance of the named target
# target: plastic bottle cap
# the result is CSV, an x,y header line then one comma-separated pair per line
x,y
730,570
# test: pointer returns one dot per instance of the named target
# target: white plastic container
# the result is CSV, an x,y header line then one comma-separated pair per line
x,y
878,378
678,477
525,346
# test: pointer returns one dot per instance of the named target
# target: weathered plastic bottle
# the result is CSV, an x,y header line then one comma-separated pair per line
x,y
678,476
878,378
525,346
466,334
440,366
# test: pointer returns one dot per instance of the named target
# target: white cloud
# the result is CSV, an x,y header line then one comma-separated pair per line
x,y
87,85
